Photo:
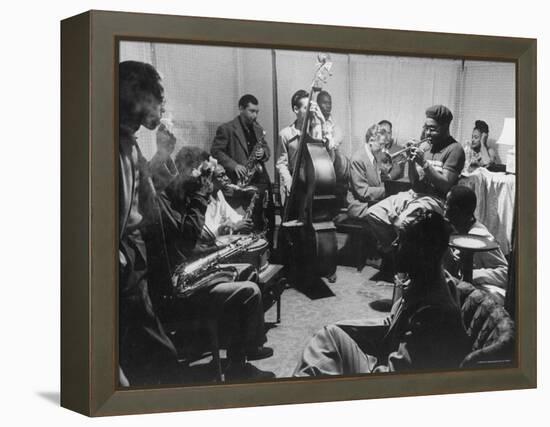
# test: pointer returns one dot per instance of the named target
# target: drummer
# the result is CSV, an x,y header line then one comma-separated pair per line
x,y
490,268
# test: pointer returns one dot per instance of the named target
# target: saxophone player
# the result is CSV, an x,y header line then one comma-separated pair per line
x,y
238,304
240,139
240,145
220,217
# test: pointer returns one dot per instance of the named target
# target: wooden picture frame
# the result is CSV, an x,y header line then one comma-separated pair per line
x,y
89,210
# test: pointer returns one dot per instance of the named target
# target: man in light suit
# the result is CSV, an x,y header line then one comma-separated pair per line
x,y
366,184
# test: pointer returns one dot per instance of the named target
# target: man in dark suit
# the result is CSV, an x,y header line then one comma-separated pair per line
x,y
238,141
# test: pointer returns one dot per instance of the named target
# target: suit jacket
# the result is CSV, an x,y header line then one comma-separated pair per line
x,y
231,148
365,183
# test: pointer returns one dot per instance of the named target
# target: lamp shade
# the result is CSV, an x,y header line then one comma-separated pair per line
x,y
508,135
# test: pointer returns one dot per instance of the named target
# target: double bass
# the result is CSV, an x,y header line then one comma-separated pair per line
x,y
308,229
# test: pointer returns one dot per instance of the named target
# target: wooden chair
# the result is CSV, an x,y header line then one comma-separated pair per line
x,y
181,321
360,239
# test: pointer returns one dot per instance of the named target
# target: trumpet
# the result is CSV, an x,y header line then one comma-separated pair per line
x,y
391,157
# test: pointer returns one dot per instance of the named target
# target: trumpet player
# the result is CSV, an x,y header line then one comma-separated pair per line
x,y
433,170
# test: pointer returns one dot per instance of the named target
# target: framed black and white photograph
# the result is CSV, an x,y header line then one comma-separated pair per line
x,y
286,213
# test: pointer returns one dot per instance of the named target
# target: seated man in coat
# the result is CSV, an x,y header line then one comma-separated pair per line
x,y
366,174
397,168
490,268
425,330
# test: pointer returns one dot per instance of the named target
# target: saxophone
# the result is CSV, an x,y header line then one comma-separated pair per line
x,y
253,165
190,277
251,206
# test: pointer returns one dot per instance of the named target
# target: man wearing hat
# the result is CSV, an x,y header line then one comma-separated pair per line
x,y
433,171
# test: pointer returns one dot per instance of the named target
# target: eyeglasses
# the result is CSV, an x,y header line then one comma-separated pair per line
x,y
430,128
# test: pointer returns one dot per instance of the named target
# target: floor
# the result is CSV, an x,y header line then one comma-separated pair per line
x,y
354,295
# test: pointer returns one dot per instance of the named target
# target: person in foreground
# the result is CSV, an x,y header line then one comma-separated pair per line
x,y
147,355
425,329
490,268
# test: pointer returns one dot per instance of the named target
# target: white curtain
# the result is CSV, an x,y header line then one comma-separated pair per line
x,y
489,94
399,89
203,85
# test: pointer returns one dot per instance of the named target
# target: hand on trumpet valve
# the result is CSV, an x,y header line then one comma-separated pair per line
x,y
416,155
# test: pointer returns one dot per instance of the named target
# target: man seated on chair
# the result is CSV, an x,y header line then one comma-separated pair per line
x,y
490,268
396,168
366,173
425,329
238,304
433,170
221,218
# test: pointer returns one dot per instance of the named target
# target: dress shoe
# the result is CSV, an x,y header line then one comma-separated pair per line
x,y
259,353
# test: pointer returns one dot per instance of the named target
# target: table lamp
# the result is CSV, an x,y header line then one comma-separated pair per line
x,y
508,139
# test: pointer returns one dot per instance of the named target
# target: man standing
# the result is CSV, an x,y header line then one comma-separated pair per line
x,y
322,127
333,136
431,173
238,143
146,354
241,138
